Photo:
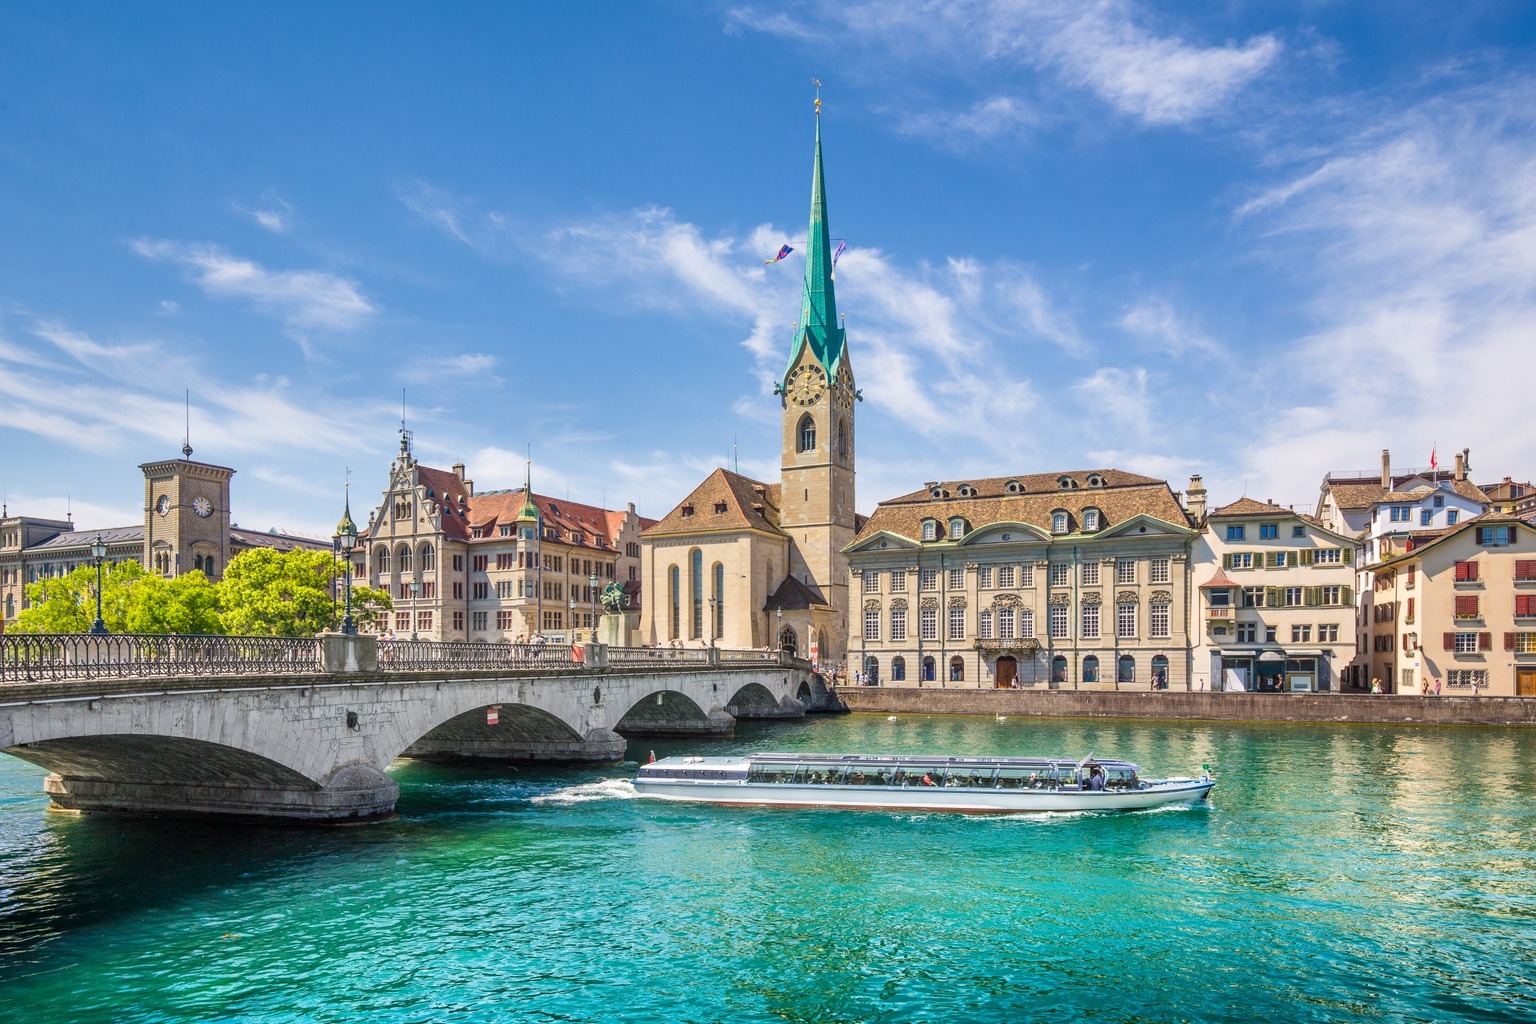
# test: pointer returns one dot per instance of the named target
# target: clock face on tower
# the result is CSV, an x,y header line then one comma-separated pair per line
x,y
163,505
806,385
843,392
203,507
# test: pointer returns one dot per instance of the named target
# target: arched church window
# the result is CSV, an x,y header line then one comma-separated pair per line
x,y
807,433
674,599
842,439
696,584
403,556
381,557
428,558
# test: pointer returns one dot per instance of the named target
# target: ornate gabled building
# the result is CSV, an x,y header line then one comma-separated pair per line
x,y
1076,579
765,561
495,565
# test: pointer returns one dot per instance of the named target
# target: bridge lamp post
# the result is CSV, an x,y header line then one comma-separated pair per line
x,y
99,553
346,541
415,594
592,582
570,604
713,603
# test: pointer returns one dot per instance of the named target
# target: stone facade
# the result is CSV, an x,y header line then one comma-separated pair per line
x,y
1277,601
1458,612
1078,580
492,566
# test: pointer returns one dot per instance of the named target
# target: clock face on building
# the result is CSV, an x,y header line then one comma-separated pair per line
x,y
806,385
164,504
843,393
203,507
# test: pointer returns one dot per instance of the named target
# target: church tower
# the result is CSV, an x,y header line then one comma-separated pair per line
x,y
186,516
818,397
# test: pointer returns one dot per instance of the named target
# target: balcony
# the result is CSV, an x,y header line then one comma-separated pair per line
x,y
1220,614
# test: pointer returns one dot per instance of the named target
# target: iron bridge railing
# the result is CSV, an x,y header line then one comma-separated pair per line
x,y
416,655
62,656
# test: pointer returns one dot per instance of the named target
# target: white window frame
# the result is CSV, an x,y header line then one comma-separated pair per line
x,y
871,624
1159,620
898,625
1125,620
1090,620
1125,570
957,622
1089,572
928,623
1056,621
1161,570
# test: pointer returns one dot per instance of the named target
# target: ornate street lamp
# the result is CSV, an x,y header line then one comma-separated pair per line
x,y
713,603
415,594
99,552
346,541
592,588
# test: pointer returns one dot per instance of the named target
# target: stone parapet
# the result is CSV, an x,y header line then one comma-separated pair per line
x,y
1173,704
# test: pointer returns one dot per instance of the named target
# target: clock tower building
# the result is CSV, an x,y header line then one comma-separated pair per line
x,y
817,465
186,516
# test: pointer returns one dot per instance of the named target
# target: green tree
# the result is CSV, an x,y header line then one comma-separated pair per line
x,y
271,593
188,603
67,604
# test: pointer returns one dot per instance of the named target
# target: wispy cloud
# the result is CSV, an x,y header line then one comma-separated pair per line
x,y
303,300
1155,323
1418,238
465,369
272,212
1102,47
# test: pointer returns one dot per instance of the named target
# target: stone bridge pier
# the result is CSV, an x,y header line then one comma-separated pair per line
x,y
317,748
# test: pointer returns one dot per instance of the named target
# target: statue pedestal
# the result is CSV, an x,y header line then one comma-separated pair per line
x,y
613,630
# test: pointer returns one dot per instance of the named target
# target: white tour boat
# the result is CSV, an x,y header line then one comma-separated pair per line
x,y
975,785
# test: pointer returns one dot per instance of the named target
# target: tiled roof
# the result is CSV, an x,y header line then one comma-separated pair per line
x,y
1439,537
1125,496
1217,581
724,501
794,596
1034,483
83,538
1252,507
1359,493
274,540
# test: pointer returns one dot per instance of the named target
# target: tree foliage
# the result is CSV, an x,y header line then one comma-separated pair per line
x,y
263,593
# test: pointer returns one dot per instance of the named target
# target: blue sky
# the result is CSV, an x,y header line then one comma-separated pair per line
x,y
1255,241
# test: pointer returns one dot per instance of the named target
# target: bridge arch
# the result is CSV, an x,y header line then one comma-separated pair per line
x,y
672,713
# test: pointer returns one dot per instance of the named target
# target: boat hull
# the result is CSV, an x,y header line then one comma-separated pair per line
x,y
893,798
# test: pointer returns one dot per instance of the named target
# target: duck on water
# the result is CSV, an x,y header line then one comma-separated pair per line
x,y
974,785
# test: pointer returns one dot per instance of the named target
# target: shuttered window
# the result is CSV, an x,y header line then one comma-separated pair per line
x,y
1466,606
1466,571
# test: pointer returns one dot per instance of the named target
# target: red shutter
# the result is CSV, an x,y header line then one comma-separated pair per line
x,y
1485,641
1525,569
1509,641
1450,641
1405,641
1525,605
1461,571
1410,609
1482,532
1471,570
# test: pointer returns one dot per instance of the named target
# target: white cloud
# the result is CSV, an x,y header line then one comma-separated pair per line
x,y
1419,237
274,213
1100,46
1156,323
304,300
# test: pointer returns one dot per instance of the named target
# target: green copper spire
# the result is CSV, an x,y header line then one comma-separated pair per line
x,y
818,325
529,513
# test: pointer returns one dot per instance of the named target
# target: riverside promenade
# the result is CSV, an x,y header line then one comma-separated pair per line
x,y
1331,708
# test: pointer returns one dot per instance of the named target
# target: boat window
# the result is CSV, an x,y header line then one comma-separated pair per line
x,y
868,775
972,778
772,773
1025,778
919,776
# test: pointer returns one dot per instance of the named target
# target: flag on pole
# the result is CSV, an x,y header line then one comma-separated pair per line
x,y
1434,460
841,245
784,251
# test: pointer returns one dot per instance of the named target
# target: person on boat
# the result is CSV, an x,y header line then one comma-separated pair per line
x,y
928,780
1096,780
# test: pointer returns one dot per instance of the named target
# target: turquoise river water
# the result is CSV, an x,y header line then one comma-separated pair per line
x,y
1338,874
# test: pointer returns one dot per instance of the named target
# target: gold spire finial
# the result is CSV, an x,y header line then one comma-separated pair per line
x,y
817,83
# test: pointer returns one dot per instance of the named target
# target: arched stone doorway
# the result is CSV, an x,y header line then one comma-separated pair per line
x,y
789,641
1007,671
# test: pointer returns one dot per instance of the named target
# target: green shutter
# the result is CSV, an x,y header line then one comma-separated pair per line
x,y
1305,556
1273,597
1346,594
1226,560
1349,555
1271,561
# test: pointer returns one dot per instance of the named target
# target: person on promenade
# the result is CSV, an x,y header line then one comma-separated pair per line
x,y
1437,686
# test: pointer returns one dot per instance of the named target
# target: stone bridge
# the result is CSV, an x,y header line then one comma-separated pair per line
x,y
305,728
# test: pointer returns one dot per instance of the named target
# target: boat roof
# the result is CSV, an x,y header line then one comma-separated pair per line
x,y
923,760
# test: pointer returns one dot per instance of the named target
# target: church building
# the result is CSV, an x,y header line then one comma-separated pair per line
x,y
745,563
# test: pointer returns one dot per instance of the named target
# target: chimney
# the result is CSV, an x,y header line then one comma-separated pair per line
x,y
458,470
1386,470
1194,499
1461,466
631,508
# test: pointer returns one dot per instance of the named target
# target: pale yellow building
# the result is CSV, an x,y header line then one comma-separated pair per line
x,y
1077,580
1277,600
1459,611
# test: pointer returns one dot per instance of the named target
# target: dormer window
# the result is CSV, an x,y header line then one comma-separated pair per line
x,y
956,528
1066,483
930,530
967,491
939,492
687,511
577,537
1090,519
1095,480
720,508
1058,522
1013,487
